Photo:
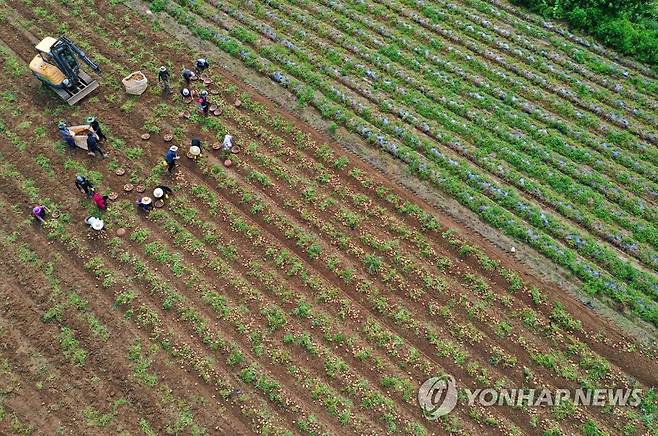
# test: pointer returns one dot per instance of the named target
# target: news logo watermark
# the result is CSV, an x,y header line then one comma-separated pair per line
x,y
438,396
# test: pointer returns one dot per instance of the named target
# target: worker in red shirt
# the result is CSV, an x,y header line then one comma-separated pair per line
x,y
100,200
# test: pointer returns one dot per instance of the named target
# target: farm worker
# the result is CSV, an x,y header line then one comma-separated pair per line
x,y
144,203
203,102
195,149
96,127
100,200
39,212
92,145
171,157
84,185
95,223
186,93
227,142
201,65
162,192
187,76
163,79
66,134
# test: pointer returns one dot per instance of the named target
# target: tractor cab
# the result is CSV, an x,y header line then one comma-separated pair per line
x,y
44,68
57,67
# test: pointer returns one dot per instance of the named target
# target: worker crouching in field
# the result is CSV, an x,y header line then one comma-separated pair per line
x,y
100,200
145,204
186,94
187,76
204,104
84,185
39,213
162,192
201,65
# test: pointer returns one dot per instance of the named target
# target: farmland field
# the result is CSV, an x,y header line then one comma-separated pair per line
x,y
301,290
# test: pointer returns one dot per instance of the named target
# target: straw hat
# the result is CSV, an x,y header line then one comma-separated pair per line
x,y
146,200
195,151
173,148
90,120
158,193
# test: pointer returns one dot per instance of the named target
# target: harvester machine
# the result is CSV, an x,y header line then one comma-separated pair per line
x,y
56,65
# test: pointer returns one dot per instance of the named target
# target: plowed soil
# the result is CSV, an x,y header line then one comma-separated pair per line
x,y
253,269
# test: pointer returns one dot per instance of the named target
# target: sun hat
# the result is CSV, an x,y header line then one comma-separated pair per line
x,y
97,224
173,148
163,68
158,193
146,200
195,151
90,120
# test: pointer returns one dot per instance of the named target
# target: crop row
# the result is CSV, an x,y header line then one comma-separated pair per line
x,y
579,214
502,219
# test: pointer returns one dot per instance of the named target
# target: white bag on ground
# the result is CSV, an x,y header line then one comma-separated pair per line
x,y
227,142
135,83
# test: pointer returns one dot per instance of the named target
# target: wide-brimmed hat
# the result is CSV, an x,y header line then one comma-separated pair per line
x,y
90,120
95,223
163,68
158,193
146,200
195,151
173,148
